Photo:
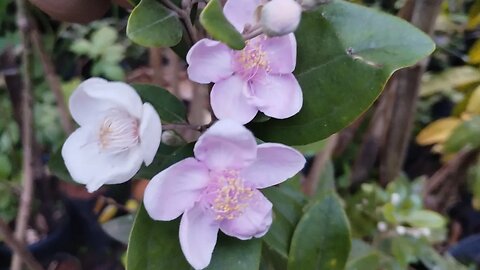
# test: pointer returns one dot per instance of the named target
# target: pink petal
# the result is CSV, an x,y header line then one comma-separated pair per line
x,y
226,145
254,222
88,164
198,236
175,189
278,96
209,61
282,53
150,132
241,12
94,96
275,163
229,101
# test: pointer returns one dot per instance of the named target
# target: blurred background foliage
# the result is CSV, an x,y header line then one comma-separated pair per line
x,y
393,225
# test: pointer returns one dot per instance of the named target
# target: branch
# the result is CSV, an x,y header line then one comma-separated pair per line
x,y
52,80
185,16
27,133
18,248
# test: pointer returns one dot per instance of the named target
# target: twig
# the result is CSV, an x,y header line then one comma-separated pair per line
x,y
178,125
52,80
18,247
309,186
27,133
185,16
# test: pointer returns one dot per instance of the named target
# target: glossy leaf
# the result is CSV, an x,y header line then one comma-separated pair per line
x,y
169,108
425,218
234,254
346,53
154,245
217,25
438,131
152,25
322,237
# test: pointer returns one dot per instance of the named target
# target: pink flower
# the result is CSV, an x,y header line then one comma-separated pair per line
x,y
218,189
257,78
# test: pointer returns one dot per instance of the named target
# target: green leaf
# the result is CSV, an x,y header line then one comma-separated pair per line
x,y
154,245
169,108
119,228
466,134
287,211
346,53
152,25
213,20
322,237
58,168
165,157
234,254
425,218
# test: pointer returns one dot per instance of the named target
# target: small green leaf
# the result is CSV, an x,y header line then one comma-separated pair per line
x,y
322,237
425,218
152,25
213,20
119,228
346,53
169,108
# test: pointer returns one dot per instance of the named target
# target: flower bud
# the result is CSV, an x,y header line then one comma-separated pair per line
x,y
280,17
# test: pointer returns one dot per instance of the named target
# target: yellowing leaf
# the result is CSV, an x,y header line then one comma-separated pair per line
x,y
108,213
473,105
453,78
437,131
474,16
474,53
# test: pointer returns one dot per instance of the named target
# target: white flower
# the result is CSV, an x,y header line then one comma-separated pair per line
x,y
382,226
401,230
395,198
116,134
280,17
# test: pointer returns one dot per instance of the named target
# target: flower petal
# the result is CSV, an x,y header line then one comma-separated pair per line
x,y
254,222
226,145
175,189
241,12
275,163
96,95
198,236
282,53
150,132
87,164
229,101
209,61
278,96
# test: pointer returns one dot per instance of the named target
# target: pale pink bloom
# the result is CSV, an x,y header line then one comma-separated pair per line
x,y
257,78
280,17
116,134
218,189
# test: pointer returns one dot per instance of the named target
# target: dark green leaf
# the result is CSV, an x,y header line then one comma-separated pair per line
x,y
154,245
152,25
169,107
213,20
234,254
346,53
322,237
119,228
165,157
58,168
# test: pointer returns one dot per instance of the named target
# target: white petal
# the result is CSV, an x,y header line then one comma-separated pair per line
x,y
150,132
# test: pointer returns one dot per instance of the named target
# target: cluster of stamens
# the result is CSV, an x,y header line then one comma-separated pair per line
x,y
118,131
228,196
252,59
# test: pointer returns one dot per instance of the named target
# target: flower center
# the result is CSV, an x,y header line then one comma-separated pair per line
x,y
228,196
118,131
252,58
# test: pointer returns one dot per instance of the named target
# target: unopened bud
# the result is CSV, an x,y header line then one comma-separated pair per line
x,y
280,17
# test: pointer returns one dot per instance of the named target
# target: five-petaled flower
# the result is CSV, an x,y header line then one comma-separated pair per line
x,y
257,78
218,189
116,134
